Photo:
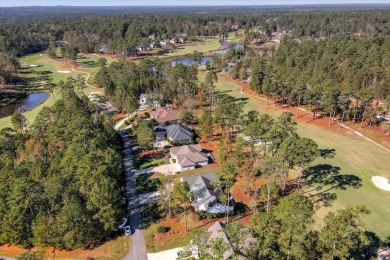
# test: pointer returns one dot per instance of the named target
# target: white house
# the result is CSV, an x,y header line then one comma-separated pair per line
x,y
150,100
188,157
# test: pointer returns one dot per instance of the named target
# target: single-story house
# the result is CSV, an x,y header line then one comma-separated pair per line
x,y
179,133
205,197
188,157
176,133
164,116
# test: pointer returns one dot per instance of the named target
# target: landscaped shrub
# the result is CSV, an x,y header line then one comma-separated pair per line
x,y
200,215
162,229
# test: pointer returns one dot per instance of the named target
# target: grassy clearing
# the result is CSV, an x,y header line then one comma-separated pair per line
x,y
357,159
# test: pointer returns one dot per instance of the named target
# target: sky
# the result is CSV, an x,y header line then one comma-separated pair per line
x,y
5,3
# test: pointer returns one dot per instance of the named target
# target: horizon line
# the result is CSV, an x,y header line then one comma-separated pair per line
x,y
214,5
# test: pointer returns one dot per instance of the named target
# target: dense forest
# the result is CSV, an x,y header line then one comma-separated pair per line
x,y
125,81
341,76
61,179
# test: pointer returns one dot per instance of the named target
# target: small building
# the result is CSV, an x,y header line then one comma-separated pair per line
x,y
188,157
164,115
165,43
150,100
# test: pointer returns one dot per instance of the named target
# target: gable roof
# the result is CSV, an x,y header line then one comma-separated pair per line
x,y
179,132
201,187
164,115
216,231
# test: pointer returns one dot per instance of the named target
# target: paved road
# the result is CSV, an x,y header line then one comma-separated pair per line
x,y
137,245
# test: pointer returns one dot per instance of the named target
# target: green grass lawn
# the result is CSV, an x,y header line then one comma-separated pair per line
x,y
354,156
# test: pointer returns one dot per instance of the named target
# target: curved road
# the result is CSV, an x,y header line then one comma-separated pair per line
x,y
137,244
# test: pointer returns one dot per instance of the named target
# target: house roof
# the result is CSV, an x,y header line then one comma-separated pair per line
x,y
164,115
185,149
216,231
178,132
201,187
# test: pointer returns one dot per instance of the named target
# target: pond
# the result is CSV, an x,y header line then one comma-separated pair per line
x,y
237,46
26,104
190,61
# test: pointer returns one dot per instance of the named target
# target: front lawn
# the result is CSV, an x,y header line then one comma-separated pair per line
x,y
150,158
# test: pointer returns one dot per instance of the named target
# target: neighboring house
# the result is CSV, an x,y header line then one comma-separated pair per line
x,y
164,116
188,157
161,133
216,231
142,48
165,43
150,100
176,133
179,133
205,197
108,107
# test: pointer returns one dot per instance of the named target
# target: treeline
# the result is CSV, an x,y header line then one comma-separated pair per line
x,y
9,66
121,33
124,82
60,180
338,76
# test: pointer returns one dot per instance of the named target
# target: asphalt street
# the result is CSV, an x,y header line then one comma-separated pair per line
x,y
137,244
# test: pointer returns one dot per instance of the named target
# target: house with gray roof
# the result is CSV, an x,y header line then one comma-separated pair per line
x,y
179,133
188,157
205,197
176,134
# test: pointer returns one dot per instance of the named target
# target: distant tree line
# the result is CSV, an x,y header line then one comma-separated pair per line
x,y
341,75
123,33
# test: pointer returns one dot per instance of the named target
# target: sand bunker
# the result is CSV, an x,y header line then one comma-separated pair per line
x,y
63,71
381,182
33,66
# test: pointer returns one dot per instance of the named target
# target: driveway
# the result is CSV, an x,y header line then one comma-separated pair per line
x,y
166,169
138,245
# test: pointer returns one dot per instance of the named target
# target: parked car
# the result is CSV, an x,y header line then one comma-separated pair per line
x,y
127,230
124,221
